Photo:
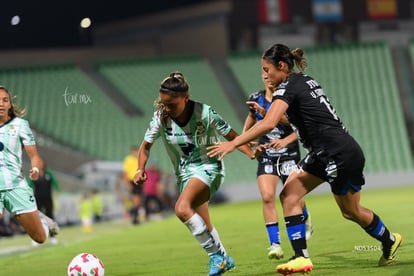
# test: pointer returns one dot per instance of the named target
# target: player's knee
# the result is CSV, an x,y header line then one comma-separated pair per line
x,y
183,211
268,199
288,200
39,237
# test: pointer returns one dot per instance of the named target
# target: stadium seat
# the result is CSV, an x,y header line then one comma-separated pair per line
x,y
360,82
139,81
67,106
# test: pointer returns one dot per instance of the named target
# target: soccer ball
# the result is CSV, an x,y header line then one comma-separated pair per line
x,y
86,264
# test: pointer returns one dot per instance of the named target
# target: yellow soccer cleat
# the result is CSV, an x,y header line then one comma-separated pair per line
x,y
296,265
393,252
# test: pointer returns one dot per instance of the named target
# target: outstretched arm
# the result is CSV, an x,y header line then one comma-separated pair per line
x,y
143,154
272,118
243,148
284,120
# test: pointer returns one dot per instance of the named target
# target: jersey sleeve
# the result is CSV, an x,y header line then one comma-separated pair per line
x,y
153,130
222,127
252,98
26,134
285,92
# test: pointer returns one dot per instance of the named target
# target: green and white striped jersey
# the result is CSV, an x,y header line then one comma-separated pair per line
x,y
187,144
15,134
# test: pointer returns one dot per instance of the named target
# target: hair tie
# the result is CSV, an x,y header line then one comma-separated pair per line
x,y
178,76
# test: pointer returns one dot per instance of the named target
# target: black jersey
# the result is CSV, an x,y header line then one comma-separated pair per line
x,y
310,112
291,151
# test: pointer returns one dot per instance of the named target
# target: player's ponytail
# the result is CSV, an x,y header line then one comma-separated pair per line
x,y
175,84
280,52
300,61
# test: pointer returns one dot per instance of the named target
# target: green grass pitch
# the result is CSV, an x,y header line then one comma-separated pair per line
x,y
338,246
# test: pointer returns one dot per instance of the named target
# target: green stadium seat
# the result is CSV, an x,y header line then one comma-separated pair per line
x,y
139,80
76,122
358,78
360,82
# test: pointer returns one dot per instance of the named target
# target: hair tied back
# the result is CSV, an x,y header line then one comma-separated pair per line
x,y
177,75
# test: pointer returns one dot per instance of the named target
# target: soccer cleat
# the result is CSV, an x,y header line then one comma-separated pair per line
x,y
309,228
35,244
230,263
383,261
219,264
51,224
53,240
275,251
295,265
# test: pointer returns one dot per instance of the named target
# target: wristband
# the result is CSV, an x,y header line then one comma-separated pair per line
x,y
138,171
35,169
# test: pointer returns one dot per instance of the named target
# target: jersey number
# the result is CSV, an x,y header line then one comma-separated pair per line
x,y
325,101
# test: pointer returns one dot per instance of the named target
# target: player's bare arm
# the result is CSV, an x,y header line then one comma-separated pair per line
x,y
278,144
35,161
143,154
275,112
243,148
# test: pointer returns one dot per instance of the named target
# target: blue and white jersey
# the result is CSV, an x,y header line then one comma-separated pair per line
x,y
279,132
15,134
187,143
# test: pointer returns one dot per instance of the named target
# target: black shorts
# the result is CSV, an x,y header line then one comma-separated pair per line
x,y
342,170
136,189
276,167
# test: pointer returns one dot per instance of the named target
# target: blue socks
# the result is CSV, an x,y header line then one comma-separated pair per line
x,y
296,230
273,229
378,231
273,232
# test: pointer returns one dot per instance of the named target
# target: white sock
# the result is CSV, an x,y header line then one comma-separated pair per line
x,y
219,244
45,227
198,228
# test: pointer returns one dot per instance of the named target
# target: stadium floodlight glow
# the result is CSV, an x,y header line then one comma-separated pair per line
x,y
85,23
15,20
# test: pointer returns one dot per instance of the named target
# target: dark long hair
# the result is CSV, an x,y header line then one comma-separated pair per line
x,y
280,52
175,85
